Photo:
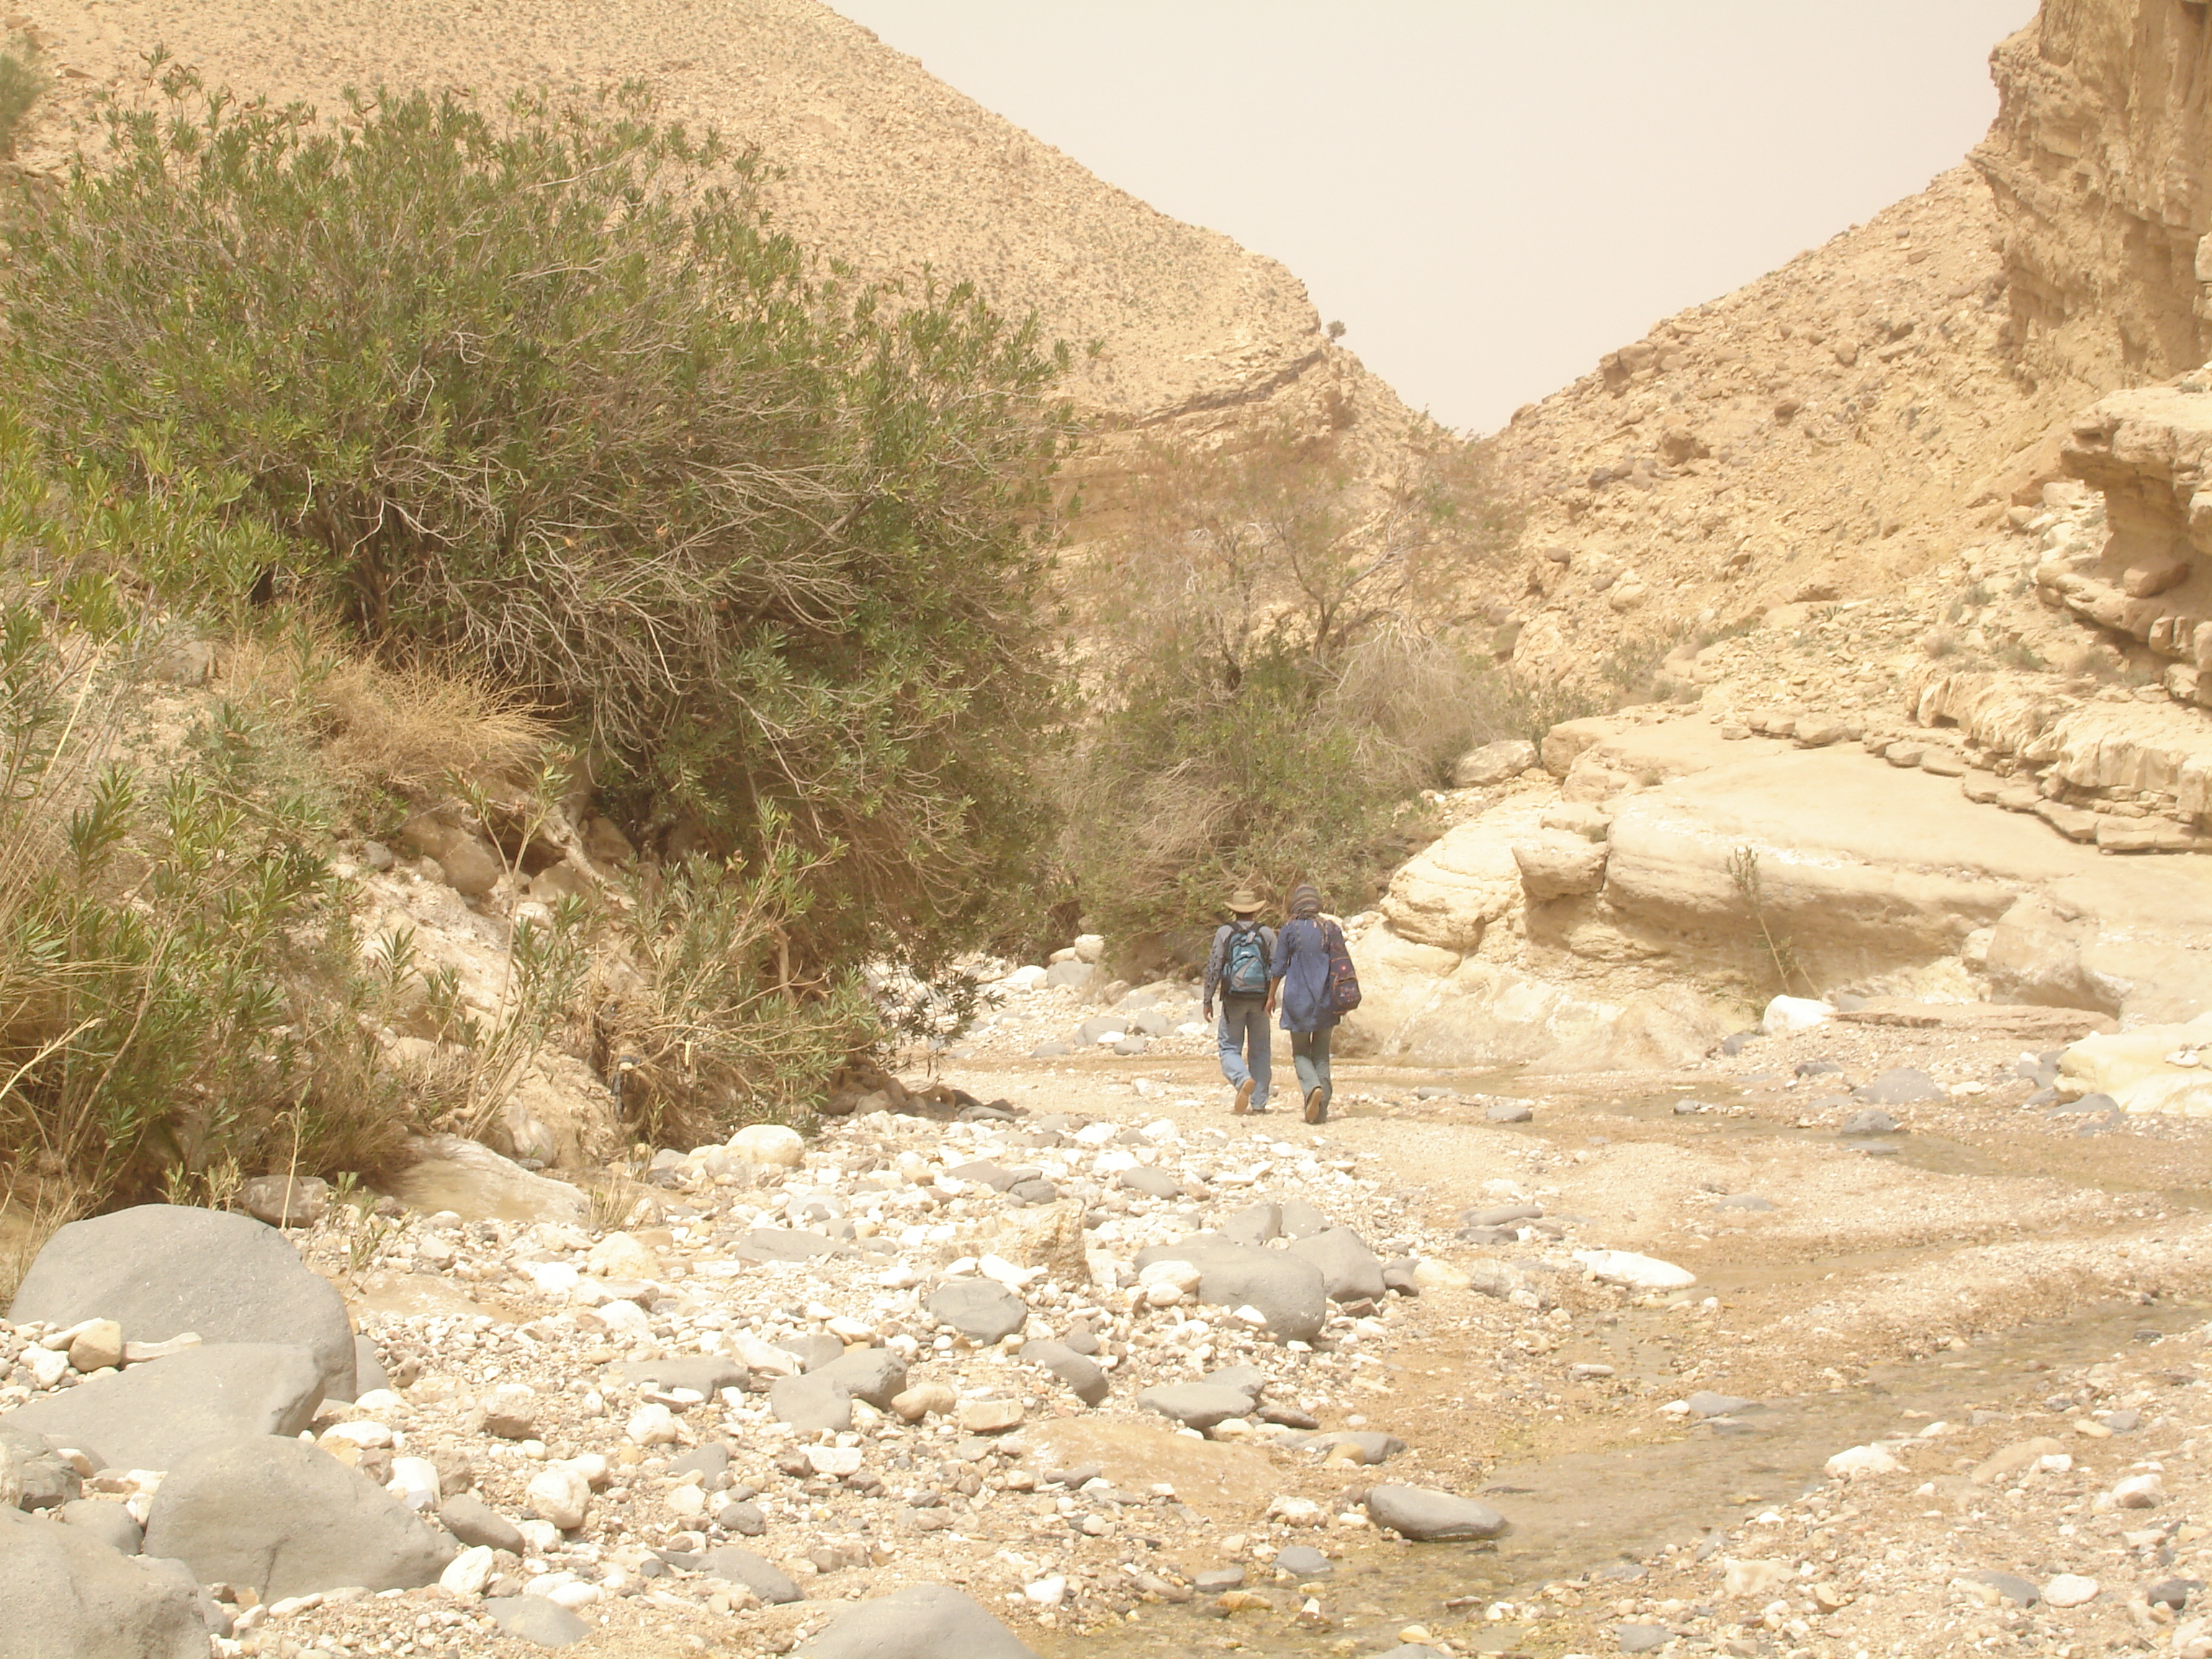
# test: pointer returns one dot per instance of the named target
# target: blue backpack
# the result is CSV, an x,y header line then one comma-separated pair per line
x,y
1245,971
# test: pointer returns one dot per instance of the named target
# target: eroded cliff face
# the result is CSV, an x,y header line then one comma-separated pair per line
x,y
2098,166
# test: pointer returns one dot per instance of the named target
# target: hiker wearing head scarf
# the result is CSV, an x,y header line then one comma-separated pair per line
x,y
1237,971
1301,968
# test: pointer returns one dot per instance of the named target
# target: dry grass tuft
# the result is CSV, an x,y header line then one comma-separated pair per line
x,y
403,728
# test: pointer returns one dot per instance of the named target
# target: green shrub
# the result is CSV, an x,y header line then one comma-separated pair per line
x,y
1274,701
549,398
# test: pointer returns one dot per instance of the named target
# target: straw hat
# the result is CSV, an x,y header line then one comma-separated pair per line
x,y
1244,902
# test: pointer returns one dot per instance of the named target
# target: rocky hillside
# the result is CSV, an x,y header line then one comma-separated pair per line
x,y
879,164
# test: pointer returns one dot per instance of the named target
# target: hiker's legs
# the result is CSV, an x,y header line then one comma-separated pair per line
x,y
1310,1053
1229,1035
1242,1036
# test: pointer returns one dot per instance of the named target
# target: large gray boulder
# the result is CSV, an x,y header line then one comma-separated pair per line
x,y
64,1594
288,1519
981,1309
1422,1513
162,1269
48,1483
874,1375
922,1621
1083,1376
1352,1271
152,1415
1287,1289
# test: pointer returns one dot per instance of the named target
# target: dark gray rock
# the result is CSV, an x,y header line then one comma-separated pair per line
x,y
874,1375
981,1309
922,1621
65,1594
1350,1271
744,1517
1033,1192
1901,1085
1640,1639
755,1573
1256,1223
1508,1112
1196,1405
1083,1376
1299,1219
705,1375
108,1522
1872,1121
1215,1580
2010,1586
1153,1183
2082,1103
1423,1514
1705,1403
1287,1289
2173,1592
1398,1276
288,1519
151,1415
2122,1422
1304,1561
534,1619
474,1522
811,1403
162,1269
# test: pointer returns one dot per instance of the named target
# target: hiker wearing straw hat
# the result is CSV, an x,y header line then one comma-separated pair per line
x,y
1236,969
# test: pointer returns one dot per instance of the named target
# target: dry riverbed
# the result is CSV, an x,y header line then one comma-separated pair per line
x,y
1990,1314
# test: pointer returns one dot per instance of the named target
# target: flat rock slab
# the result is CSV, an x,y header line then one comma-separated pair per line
x,y
2025,1023
1288,1290
755,1573
536,1619
922,1621
785,1244
288,1519
1425,1515
981,1309
811,1403
705,1375
163,1269
151,1416
452,1172
1196,1405
875,1374
1705,1403
476,1522
1304,1561
1372,1446
65,1594
1153,1183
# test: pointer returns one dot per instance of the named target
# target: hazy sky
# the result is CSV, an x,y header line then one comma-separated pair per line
x,y
1490,194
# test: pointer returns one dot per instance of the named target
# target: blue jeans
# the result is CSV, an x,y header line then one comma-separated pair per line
x,y
1244,1038
1310,1053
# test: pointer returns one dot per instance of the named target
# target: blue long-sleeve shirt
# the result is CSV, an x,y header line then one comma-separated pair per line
x,y
1302,965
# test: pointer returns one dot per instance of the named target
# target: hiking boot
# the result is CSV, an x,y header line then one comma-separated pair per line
x,y
1243,1096
1316,1104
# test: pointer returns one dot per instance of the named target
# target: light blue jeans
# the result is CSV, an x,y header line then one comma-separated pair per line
x,y
1244,1039
1310,1053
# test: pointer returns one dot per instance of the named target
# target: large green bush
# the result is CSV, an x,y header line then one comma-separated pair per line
x,y
549,395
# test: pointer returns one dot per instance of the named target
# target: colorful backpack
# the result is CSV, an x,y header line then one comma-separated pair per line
x,y
1245,969
1342,991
